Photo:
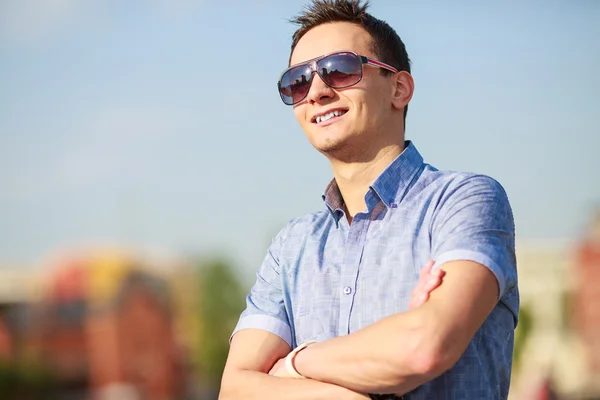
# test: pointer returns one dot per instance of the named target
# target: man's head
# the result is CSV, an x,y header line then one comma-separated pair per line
x,y
373,109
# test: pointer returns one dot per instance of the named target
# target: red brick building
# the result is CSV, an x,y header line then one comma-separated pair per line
x,y
586,302
106,328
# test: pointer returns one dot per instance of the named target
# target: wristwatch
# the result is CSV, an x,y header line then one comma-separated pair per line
x,y
385,397
289,360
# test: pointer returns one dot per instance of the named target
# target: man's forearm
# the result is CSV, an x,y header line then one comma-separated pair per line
x,y
252,385
391,356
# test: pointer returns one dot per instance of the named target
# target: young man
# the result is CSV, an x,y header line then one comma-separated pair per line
x,y
335,285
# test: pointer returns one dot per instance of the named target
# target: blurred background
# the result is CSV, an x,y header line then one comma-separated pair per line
x,y
146,161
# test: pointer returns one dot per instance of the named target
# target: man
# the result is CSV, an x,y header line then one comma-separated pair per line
x,y
335,285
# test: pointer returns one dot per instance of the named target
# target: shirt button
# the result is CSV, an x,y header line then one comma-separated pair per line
x,y
347,290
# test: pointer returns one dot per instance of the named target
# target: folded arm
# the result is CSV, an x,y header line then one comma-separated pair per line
x,y
253,352
473,241
403,351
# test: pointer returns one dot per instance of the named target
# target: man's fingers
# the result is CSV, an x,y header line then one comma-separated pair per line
x,y
425,272
431,284
428,281
434,280
427,268
426,275
430,265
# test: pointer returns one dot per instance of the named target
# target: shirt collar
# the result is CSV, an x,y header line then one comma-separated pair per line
x,y
394,181
333,200
390,186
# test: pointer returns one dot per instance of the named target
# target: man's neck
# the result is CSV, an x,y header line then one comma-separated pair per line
x,y
354,179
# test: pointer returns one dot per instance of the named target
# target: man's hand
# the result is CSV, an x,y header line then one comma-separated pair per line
x,y
428,281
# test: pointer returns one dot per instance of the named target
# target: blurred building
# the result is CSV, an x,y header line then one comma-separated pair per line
x,y
545,351
586,301
104,327
559,282
99,325
17,287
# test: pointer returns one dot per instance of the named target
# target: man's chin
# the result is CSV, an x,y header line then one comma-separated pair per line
x,y
333,144
328,146
338,151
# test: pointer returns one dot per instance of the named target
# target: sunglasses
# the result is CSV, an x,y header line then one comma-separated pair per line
x,y
338,70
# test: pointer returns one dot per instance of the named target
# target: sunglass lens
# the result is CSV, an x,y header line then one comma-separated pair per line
x,y
295,84
340,70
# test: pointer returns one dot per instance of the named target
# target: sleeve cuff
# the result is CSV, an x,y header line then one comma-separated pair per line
x,y
469,255
265,323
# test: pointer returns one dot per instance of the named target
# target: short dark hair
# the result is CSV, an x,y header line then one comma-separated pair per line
x,y
385,44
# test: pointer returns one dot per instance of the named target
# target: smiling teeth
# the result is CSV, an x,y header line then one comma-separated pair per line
x,y
322,118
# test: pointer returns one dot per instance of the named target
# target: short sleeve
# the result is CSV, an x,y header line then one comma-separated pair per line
x,y
264,305
474,222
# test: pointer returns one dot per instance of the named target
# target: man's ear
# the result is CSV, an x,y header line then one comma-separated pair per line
x,y
402,89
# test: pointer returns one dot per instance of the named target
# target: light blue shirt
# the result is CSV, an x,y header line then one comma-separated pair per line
x,y
323,277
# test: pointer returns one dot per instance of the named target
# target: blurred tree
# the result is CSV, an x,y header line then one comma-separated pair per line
x,y
26,381
522,334
221,300
567,305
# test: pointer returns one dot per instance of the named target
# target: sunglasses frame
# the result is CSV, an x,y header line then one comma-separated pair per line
x,y
312,63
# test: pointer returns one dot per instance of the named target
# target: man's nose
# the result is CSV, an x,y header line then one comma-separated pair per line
x,y
319,90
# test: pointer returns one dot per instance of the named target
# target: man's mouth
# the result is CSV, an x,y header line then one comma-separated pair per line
x,y
328,117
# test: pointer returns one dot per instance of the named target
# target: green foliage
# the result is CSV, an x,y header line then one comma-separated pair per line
x,y
522,334
29,382
221,302
566,303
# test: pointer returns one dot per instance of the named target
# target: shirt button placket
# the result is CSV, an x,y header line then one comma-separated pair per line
x,y
353,252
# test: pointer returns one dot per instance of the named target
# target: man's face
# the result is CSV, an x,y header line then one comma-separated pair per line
x,y
367,106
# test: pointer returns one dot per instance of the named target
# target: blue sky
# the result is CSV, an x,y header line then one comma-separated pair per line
x,y
157,125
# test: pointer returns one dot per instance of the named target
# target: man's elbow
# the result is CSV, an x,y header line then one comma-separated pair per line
x,y
432,362
429,355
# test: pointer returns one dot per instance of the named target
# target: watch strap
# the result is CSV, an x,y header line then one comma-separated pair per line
x,y
289,360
